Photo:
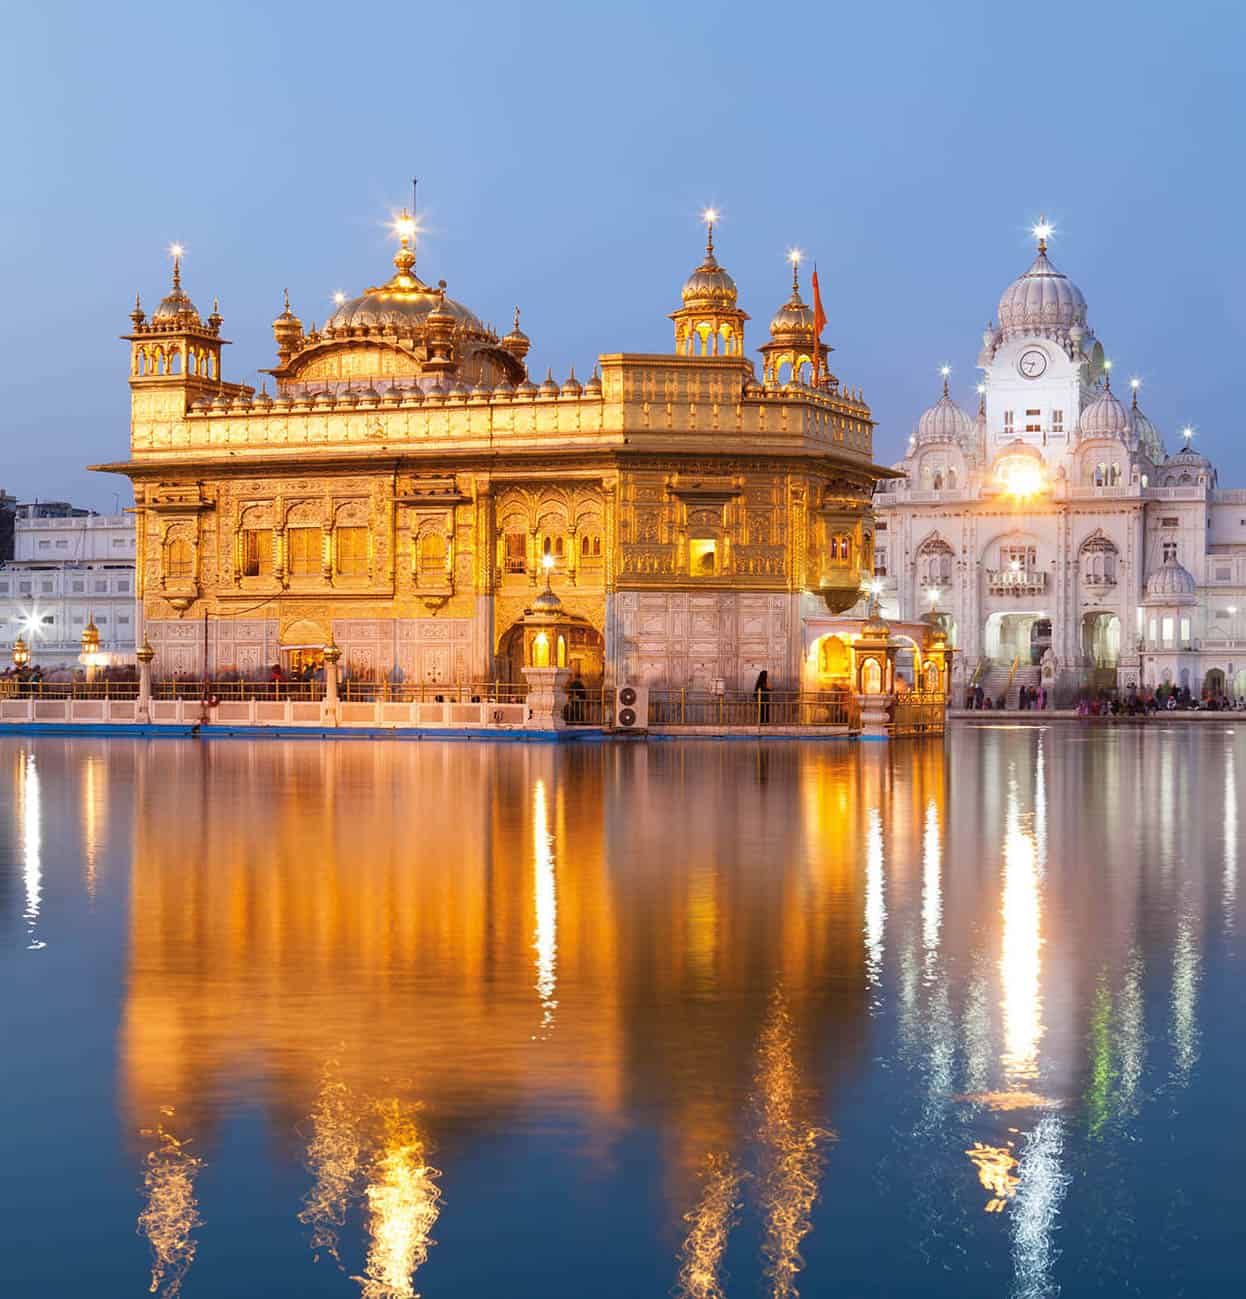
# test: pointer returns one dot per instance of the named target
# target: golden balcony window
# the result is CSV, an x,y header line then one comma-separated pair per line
x,y
841,549
352,551
178,558
590,549
257,552
515,556
306,546
703,557
432,552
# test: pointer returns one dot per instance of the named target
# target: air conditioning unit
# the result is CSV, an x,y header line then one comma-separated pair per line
x,y
631,708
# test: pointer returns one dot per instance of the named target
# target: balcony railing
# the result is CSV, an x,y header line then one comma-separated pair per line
x,y
738,709
1016,581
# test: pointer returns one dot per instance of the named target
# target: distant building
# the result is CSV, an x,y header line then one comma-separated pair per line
x,y
1054,535
8,513
68,566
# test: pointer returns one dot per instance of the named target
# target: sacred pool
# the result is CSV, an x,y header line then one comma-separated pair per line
x,y
304,1018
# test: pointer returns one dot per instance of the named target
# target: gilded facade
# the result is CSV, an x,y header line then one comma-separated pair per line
x,y
407,489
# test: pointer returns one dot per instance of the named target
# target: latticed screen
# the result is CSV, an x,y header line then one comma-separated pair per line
x,y
178,559
516,552
306,547
352,550
257,552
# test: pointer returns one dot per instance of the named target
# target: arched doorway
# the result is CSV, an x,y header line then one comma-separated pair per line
x,y
583,650
302,646
1214,683
1011,636
833,662
1101,639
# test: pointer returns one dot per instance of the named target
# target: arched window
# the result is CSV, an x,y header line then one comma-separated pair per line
x,y
432,552
951,479
178,558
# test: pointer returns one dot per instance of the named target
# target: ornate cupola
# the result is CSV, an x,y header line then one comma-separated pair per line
x,y
175,348
794,345
517,342
710,323
288,331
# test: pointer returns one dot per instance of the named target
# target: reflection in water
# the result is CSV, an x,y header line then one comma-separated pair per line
x,y
709,1225
30,830
1185,976
171,1212
793,1154
1230,838
875,906
290,904
995,1165
1021,947
334,1155
403,1203
1039,1193
545,897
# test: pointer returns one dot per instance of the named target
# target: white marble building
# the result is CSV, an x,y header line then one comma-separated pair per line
x,y
66,570
1053,533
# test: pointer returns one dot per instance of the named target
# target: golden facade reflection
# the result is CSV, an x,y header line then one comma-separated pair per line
x,y
709,1225
1021,951
170,1213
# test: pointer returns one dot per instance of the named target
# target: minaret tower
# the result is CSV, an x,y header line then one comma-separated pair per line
x,y
175,356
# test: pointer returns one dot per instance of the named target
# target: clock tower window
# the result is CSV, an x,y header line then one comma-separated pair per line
x,y
1008,421
1057,421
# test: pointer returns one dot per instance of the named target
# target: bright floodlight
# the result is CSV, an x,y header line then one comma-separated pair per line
x,y
1135,384
1187,433
548,561
794,255
933,596
981,389
710,215
945,370
404,225
339,297
1043,230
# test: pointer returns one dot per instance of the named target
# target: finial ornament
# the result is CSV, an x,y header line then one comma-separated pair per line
x,y
794,256
1187,433
1042,232
709,216
516,320
945,370
1135,384
286,293
1107,376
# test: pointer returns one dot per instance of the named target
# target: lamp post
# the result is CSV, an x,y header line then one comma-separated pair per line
x,y
90,647
933,595
21,653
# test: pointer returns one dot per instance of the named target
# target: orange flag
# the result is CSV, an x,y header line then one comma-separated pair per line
x,y
819,324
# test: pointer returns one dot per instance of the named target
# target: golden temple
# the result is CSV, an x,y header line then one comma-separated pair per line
x,y
407,487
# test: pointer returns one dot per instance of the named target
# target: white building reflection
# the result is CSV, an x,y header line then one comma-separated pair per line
x,y
30,836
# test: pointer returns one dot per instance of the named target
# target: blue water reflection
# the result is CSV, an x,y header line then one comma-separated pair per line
x,y
716,1020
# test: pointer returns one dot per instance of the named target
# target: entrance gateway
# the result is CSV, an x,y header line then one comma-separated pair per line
x,y
1010,637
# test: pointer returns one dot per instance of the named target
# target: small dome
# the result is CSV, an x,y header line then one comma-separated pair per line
x,y
1146,434
176,307
1043,301
548,387
436,392
527,389
573,387
410,396
263,400
392,396
326,398
220,402
794,316
709,286
547,602
1105,417
482,391
348,397
1189,458
517,341
369,396
944,422
1171,583
593,387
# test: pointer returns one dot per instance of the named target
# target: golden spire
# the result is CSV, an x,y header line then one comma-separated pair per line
x,y
945,370
177,250
1135,384
1042,232
794,255
709,216
405,228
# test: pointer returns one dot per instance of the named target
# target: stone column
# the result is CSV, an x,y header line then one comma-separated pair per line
x,y
329,705
142,708
547,698
874,716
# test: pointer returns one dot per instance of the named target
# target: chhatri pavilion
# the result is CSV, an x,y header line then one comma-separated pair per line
x,y
407,491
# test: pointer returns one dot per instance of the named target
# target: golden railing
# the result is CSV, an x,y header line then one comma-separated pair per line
x,y
918,713
745,709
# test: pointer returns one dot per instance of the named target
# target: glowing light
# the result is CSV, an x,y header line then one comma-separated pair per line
x,y
545,891
932,882
1014,565
1022,478
933,596
709,216
945,370
547,562
1037,1207
405,226
1187,433
1042,230
1135,383
794,255
1107,365
339,297
171,1213
176,250
404,1202
1230,837
981,389
1186,961
710,1223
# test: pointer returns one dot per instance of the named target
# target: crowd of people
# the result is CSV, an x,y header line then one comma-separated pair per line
x,y
1110,703
34,678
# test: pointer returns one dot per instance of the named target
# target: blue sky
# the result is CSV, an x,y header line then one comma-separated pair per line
x,y
564,153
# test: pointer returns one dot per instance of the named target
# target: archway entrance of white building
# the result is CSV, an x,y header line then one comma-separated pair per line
x,y
1017,636
1101,648
584,653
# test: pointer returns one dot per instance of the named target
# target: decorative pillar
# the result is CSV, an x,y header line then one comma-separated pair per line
x,y
142,708
329,705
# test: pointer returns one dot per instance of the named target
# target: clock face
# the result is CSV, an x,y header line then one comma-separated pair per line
x,y
1032,363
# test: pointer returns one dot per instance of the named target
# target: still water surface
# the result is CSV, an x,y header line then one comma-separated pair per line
x,y
717,1020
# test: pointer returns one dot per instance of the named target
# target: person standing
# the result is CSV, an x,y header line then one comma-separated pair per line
x,y
761,692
